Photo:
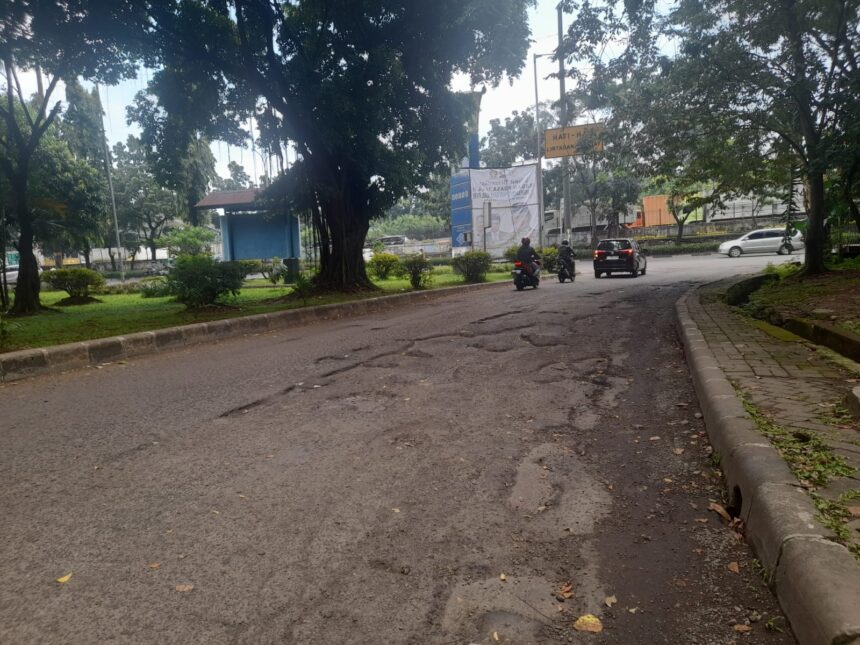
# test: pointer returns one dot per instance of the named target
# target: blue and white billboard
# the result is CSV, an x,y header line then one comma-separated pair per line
x,y
461,209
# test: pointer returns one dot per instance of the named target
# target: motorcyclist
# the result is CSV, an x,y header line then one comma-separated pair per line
x,y
528,256
566,256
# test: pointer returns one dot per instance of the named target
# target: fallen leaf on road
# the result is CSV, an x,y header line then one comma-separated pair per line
x,y
396,510
184,588
854,510
566,590
588,623
633,610
64,579
682,405
495,636
702,520
503,577
742,628
734,567
654,438
678,451
154,565
667,480
610,600
719,510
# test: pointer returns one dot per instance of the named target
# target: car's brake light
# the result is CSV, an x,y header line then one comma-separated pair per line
x,y
598,253
627,251
518,264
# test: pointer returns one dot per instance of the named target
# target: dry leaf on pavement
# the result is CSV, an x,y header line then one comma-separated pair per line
x,y
566,590
588,623
678,451
742,628
719,510
64,579
184,588
495,636
734,567
610,600
503,577
154,565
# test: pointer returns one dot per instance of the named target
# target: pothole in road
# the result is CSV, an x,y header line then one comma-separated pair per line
x,y
556,494
516,608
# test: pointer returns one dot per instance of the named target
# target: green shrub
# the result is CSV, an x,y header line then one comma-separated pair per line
x,y
383,265
510,253
549,255
120,289
76,282
194,240
473,265
417,269
303,287
155,288
198,280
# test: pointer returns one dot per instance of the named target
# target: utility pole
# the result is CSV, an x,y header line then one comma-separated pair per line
x,y
538,155
565,167
112,196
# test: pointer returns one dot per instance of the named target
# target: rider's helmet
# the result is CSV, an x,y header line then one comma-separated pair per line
x,y
526,241
565,243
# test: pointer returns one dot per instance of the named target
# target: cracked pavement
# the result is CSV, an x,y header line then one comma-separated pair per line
x,y
433,474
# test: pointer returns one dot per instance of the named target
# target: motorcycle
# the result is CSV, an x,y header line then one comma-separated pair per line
x,y
564,273
523,278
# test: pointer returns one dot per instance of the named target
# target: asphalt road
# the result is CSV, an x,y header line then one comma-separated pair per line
x,y
435,474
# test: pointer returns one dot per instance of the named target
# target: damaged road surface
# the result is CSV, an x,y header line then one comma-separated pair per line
x,y
485,468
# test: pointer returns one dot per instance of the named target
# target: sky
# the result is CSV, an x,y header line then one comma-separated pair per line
x,y
498,103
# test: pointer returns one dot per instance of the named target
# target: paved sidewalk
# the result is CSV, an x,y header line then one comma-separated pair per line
x,y
795,384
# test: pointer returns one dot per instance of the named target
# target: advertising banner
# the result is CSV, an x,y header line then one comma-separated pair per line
x,y
514,207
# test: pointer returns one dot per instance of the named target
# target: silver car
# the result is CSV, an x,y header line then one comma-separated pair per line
x,y
765,240
12,274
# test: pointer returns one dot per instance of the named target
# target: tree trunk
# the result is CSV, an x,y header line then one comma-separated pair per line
x,y
86,253
152,248
112,258
343,230
27,289
815,237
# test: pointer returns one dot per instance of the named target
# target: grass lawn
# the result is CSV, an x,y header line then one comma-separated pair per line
x,y
833,296
129,313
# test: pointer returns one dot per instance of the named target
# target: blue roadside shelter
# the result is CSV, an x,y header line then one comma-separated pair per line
x,y
253,229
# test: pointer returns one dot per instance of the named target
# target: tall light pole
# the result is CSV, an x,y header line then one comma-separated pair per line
x,y
565,178
110,187
538,155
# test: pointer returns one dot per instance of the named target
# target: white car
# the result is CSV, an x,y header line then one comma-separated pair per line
x,y
765,240
12,274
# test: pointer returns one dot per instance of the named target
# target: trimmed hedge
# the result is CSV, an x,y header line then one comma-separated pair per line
x,y
473,265
76,282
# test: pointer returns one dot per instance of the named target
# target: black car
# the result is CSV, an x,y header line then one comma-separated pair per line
x,y
619,256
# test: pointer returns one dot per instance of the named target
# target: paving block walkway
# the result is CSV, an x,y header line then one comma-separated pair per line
x,y
796,384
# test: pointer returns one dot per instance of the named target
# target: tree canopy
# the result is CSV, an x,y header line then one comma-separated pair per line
x,y
362,90
708,97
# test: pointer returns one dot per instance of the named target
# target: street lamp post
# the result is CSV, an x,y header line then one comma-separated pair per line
x,y
565,176
538,155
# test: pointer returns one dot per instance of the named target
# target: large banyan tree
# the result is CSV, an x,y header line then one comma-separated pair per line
x,y
360,89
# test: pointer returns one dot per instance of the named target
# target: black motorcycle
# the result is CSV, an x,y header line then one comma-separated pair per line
x,y
523,278
564,273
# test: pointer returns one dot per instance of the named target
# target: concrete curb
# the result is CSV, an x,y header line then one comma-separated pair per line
x,y
816,580
60,358
822,333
